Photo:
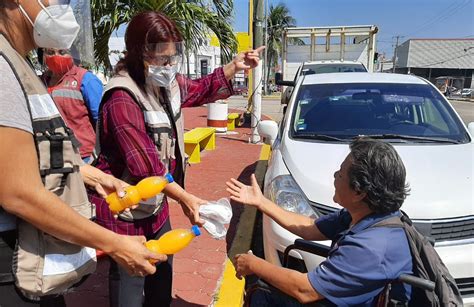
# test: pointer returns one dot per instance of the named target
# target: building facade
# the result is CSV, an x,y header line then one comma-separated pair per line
x,y
448,63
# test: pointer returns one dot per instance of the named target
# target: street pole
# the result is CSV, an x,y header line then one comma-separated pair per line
x,y
395,54
250,72
257,76
265,64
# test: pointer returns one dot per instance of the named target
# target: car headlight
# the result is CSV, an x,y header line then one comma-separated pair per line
x,y
285,192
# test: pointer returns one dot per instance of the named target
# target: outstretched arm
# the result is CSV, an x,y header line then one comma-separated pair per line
x,y
216,85
298,224
189,203
244,60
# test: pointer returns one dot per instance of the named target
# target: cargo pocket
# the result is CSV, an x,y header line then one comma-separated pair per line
x,y
165,146
65,264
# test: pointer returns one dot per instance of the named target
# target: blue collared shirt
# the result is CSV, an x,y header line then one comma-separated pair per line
x,y
91,89
362,260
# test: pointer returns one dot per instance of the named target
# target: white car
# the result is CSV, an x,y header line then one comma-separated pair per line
x,y
327,111
467,93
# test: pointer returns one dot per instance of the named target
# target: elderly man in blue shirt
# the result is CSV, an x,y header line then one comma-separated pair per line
x,y
370,186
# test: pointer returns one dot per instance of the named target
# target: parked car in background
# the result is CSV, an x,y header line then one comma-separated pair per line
x,y
467,93
327,111
320,67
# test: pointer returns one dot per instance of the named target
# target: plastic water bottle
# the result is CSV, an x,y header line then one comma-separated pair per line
x,y
173,241
144,189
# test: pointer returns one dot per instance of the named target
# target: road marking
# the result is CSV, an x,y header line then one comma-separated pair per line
x,y
265,152
231,292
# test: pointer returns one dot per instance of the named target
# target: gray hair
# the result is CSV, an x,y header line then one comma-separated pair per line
x,y
378,171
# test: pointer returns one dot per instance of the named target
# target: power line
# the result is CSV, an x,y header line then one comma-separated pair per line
x,y
445,13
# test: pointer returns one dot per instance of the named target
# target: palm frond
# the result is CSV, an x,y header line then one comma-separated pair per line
x,y
194,19
278,19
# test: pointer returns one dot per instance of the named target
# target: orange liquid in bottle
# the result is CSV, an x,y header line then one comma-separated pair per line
x,y
145,189
173,241
151,186
117,204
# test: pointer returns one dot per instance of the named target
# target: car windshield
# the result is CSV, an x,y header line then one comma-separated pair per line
x,y
399,112
311,69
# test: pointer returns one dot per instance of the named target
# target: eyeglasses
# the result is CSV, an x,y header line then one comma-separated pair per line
x,y
163,60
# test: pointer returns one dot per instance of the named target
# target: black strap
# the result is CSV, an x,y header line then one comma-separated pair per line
x,y
6,278
394,221
63,170
56,151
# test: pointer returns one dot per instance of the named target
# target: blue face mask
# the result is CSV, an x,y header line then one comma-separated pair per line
x,y
162,76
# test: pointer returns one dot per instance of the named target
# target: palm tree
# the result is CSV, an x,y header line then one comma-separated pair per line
x,y
278,19
195,19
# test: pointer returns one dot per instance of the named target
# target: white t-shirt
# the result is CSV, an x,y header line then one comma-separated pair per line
x,y
13,113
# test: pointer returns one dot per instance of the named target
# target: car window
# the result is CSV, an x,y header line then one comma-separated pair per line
x,y
310,69
348,110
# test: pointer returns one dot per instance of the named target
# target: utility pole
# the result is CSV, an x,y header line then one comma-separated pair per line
x,y
257,75
250,72
395,54
265,56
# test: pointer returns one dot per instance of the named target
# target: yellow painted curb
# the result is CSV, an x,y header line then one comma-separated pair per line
x,y
231,293
265,152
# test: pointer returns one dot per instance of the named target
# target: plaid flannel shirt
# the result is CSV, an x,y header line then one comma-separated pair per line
x,y
124,141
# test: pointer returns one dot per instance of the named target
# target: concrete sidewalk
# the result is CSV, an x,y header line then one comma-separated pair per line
x,y
199,269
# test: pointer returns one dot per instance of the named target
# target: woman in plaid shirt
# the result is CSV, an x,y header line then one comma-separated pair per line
x,y
141,135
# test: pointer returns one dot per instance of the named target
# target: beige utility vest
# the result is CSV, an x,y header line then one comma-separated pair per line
x,y
43,264
161,109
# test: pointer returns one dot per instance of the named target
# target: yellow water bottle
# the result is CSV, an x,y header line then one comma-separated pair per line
x,y
173,241
144,189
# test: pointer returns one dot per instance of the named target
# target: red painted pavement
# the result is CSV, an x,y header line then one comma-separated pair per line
x,y
197,269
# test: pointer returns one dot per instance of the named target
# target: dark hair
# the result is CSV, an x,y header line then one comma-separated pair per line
x,y
378,171
145,28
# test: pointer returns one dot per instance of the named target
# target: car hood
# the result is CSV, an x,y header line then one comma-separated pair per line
x,y
440,176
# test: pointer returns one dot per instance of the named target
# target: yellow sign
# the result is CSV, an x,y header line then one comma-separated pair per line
x,y
244,42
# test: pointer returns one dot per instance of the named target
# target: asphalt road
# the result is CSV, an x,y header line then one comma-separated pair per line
x,y
465,109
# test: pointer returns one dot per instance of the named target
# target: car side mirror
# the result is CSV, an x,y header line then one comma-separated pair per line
x,y
470,127
279,80
268,130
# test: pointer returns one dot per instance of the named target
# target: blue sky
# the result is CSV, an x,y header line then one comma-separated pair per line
x,y
408,18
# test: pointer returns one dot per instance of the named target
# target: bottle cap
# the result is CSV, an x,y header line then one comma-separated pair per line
x,y
169,177
195,229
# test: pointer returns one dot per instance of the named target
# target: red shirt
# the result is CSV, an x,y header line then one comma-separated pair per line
x,y
126,144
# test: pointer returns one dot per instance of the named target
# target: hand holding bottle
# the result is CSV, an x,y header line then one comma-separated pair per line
x,y
146,188
129,252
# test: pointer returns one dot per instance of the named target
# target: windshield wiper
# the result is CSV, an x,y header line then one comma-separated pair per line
x,y
316,136
412,137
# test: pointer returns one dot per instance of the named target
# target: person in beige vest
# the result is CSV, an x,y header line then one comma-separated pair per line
x,y
141,134
41,186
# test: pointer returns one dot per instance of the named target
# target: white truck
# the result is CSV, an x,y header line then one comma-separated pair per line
x,y
334,49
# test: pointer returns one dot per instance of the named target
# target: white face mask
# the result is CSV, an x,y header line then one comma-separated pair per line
x,y
162,75
54,27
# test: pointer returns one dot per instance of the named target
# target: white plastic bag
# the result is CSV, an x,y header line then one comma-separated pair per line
x,y
216,214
